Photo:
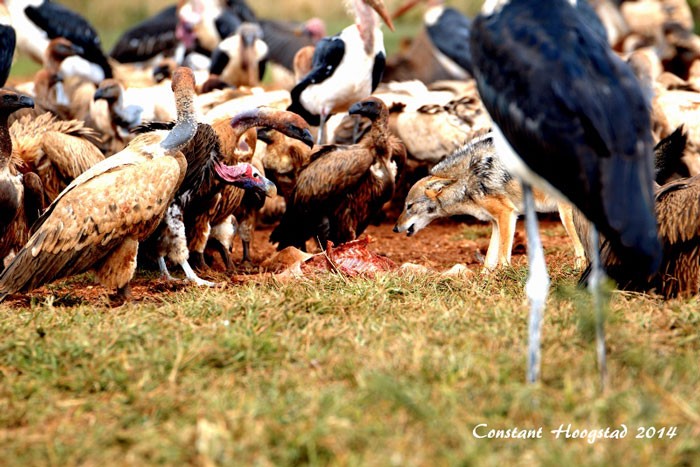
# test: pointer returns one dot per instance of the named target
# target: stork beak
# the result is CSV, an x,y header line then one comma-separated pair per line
x,y
380,8
405,8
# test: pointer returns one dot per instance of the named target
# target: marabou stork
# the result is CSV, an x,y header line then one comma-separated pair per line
x,y
448,30
346,67
570,118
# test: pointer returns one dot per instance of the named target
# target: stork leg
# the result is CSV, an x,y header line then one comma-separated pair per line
x,y
537,284
190,274
322,129
594,285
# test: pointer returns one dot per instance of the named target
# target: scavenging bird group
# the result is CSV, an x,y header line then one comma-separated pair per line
x,y
168,145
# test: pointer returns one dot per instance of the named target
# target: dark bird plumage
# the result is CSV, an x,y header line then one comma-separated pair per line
x,y
8,41
561,126
677,207
343,187
148,39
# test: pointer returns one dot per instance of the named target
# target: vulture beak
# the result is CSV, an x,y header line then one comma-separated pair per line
x,y
245,176
380,8
369,108
101,93
405,8
302,134
25,102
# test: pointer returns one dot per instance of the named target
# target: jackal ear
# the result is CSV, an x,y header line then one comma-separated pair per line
x,y
435,187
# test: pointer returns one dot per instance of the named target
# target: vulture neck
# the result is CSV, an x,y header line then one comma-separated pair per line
x,y
186,124
377,138
248,119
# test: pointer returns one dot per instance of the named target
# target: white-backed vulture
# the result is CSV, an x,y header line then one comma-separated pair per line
x,y
343,187
98,221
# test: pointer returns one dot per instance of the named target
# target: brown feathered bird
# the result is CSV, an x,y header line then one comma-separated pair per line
x,y
58,151
49,89
20,195
238,140
98,221
343,187
677,205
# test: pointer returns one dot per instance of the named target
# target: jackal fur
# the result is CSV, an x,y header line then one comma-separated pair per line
x,y
473,181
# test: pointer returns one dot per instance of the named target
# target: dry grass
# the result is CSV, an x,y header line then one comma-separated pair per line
x,y
396,370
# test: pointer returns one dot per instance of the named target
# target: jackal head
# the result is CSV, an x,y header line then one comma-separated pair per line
x,y
422,205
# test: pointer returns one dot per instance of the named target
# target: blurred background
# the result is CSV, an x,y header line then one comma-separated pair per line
x,y
111,18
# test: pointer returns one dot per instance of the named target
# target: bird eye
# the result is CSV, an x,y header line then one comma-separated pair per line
x,y
431,209
409,205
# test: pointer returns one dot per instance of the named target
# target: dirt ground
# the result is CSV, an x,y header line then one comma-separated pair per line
x,y
439,246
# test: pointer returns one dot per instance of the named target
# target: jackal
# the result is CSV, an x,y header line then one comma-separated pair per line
x,y
474,181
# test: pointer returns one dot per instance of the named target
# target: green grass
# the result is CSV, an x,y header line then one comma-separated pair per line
x,y
392,371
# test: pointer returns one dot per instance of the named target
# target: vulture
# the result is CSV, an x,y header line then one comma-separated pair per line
x,y
20,195
58,151
677,207
339,192
678,214
49,89
38,21
202,195
239,139
98,221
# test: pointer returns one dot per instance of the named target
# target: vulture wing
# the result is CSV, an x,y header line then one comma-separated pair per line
x,y
71,156
332,175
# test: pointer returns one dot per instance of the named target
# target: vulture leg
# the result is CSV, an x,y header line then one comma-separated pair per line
x,y
537,284
245,231
197,260
164,269
190,274
594,284
122,295
219,247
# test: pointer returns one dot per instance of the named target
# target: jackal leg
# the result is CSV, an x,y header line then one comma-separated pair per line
x,y
566,213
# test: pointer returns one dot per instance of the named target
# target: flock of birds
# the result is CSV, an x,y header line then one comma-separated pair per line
x,y
161,150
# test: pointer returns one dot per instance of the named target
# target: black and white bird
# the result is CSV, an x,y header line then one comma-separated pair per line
x,y
8,40
448,30
570,118
36,22
239,60
346,67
